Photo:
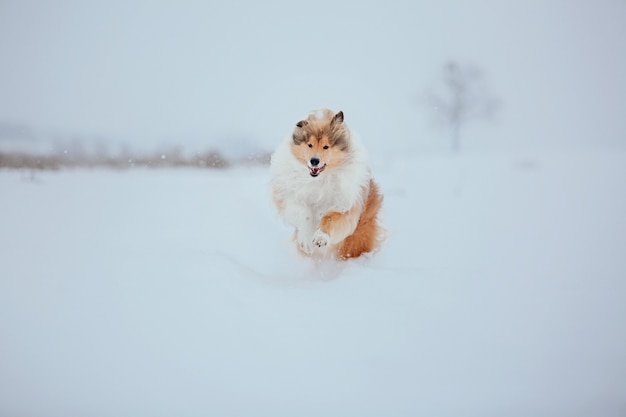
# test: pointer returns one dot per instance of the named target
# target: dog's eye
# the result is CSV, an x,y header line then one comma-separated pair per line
x,y
310,145
325,146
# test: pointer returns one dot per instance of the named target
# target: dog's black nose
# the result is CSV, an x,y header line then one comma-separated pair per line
x,y
315,161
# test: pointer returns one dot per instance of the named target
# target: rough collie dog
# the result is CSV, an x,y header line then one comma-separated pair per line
x,y
322,185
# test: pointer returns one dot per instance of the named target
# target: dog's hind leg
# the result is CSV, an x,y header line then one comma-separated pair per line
x,y
368,233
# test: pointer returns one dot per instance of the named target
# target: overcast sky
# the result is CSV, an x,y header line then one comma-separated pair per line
x,y
202,72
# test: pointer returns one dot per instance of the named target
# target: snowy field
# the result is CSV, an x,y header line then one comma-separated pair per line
x,y
501,291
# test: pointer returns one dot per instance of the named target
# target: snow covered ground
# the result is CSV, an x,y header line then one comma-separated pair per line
x,y
500,292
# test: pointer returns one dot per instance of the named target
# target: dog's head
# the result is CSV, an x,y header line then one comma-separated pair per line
x,y
321,142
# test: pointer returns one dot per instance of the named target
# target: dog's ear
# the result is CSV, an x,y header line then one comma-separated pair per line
x,y
338,118
299,135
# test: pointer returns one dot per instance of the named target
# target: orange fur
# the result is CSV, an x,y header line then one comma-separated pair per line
x,y
339,225
368,234
332,156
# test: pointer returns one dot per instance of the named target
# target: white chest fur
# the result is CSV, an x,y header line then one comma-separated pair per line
x,y
335,190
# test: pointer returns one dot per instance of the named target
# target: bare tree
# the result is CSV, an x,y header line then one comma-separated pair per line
x,y
462,96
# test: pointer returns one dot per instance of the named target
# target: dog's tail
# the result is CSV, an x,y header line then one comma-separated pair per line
x,y
368,234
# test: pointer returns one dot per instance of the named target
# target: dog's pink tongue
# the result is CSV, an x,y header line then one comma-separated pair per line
x,y
315,171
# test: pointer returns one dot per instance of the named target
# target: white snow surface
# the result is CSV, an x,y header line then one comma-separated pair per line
x,y
500,291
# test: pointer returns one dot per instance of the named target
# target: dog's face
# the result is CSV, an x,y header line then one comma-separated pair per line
x,y
321,142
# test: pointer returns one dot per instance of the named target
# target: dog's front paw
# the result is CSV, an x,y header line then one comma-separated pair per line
x,y
320,239
304,242
305,247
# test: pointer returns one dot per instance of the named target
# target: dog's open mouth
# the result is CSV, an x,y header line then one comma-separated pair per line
x,y
315,171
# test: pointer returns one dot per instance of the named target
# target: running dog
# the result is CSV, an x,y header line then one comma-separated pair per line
x,y
322,185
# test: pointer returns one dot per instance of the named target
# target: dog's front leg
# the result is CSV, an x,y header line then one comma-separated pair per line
x,y
301,217
336,226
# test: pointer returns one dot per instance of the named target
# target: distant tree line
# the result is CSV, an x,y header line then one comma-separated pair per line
x,y
69,159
